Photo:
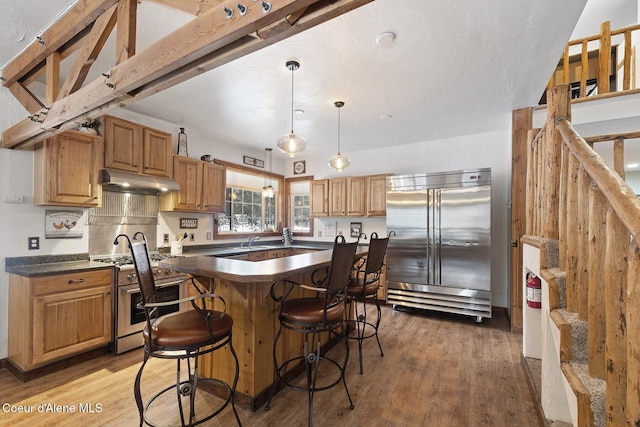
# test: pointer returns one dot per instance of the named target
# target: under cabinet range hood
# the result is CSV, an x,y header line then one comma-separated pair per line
x,y
135,182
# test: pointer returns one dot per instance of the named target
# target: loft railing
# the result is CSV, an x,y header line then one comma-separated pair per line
x,y
575,198
604,63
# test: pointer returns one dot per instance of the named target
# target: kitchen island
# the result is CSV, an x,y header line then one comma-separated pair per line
x,y
245,285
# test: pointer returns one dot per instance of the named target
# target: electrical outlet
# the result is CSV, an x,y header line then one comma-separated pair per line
x,y
192,237
209,235
33,243
319,233
165,238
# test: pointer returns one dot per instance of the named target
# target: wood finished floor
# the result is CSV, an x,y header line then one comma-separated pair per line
x,y
438,370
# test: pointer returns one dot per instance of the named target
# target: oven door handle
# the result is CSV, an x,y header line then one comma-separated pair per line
x,y
136,289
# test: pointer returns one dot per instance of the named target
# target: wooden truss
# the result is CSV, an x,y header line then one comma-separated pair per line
x,y
209,40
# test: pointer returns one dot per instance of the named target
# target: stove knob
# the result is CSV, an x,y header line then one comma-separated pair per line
x,y
131,276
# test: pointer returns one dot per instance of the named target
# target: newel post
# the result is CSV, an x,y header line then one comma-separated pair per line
x,y
558,106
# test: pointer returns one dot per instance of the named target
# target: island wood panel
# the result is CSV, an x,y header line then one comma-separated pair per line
x,y
255,325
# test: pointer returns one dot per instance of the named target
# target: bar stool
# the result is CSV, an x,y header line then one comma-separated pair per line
x,y
184,335
312,316
363,288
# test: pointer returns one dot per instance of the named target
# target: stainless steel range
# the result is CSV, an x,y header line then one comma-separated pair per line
x,y
129,319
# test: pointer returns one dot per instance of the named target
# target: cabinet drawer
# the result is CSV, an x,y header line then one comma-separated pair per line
x,y
72,282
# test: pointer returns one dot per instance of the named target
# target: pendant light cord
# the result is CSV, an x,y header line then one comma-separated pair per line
x,y
292,71
339,108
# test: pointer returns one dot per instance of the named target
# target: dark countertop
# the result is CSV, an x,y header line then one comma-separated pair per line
x,y
242,271
236,249
47,265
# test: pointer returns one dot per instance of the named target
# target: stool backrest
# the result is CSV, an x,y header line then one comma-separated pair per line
x,y
342,260
377,252
140,254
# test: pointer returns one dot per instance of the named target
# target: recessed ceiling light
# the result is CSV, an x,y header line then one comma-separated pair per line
x,y
633,165
386,38
299,111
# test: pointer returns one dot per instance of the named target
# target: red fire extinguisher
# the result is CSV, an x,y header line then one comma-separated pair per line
x,y
534,291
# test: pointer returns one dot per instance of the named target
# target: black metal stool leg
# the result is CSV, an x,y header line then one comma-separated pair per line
x,y
378,326
136,389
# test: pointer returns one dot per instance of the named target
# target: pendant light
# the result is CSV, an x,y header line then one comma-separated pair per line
x,y
339,162
267,190
292,144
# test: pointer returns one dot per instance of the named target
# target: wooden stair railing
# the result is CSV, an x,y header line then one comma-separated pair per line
x,y
576,198
607,41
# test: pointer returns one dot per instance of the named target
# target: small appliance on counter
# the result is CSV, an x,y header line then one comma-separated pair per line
x,y
287,236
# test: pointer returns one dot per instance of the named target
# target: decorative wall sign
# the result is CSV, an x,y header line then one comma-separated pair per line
x,y
299,167
63,224
356,229
253,162
330,228
188,222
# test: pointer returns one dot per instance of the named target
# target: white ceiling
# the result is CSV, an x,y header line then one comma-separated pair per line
x,y
456,68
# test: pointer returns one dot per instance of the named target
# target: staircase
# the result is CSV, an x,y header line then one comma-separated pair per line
x,y
583,235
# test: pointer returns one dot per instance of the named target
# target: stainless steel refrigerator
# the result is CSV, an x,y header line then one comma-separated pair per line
x,y
439,255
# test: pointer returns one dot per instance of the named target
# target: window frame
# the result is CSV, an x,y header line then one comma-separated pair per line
x,y
288,207
280,216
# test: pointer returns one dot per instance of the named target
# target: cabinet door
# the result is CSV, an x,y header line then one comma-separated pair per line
x,y
320,198
214,179
356,194
71,322
156,153
67,170
376,195
188,173
337,197
123,150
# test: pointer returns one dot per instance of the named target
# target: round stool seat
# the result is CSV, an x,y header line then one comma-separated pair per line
x,y
188,329
357,289
310,311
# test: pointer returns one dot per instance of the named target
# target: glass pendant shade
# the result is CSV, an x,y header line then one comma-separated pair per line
x,y
291,144
339,162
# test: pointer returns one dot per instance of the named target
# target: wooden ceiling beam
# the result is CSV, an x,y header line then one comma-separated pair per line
x,y
198,37
126,35
79,17
28,100
199,46
93,44
193,7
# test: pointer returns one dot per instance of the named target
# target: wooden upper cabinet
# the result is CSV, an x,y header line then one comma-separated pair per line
x,y
356,195
214,182
134,148
188,174
376,187
320,198
202,187
123,147
337,197
351,196
66,169
156,153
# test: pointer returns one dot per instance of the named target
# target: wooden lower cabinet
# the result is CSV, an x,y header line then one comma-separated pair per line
x,y
54,317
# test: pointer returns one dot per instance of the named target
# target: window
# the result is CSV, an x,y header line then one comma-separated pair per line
x,y
247,210
298,205
301,215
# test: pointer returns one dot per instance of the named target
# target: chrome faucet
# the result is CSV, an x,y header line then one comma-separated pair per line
x,y
250,241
